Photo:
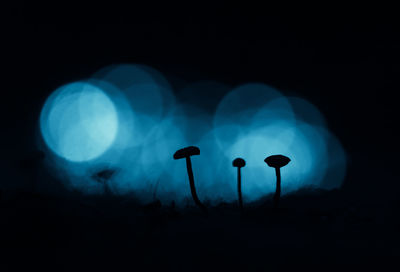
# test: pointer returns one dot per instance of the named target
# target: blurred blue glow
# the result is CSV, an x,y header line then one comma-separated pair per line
x,y
306,111
145,90
79,122
127,119
244,101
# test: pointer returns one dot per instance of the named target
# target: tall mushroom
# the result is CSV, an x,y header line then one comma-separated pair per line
x,y
239,163
186,153
277,161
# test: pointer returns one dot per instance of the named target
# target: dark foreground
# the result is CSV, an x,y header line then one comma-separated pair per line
x,y
312,230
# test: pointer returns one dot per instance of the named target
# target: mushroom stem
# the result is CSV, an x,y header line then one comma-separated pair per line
x,y
192,187
277,161
277,195
239,163
239,188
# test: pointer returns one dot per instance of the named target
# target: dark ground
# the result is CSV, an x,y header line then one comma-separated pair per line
x,y
328,230
346,62
339,229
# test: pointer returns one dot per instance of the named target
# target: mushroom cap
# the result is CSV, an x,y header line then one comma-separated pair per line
x,y
239,162
277,161
186,152
104,175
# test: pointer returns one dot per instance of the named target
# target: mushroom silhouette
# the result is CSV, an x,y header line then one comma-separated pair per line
x,y
186,153
103,177
277,161
239,163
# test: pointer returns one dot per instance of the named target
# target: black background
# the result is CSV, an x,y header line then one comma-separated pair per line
x,y
344,60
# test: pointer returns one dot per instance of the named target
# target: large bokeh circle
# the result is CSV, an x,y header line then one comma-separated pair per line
x,y
79,122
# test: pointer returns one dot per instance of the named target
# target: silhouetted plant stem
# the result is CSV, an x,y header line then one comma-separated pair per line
x,y
277,195
239,188
239,163
192,187
277,161
186,153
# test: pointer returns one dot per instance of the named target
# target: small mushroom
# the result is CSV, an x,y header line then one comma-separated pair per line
x,y
103,177
239,163
277,161
186,153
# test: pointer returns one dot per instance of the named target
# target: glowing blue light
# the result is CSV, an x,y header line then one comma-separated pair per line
x,y
126,118
147,93
79,122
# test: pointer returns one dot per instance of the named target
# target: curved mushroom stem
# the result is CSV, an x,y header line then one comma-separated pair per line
x,y
192,187
278,187
239,188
